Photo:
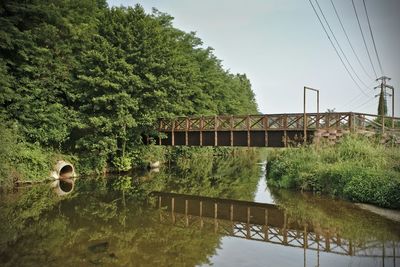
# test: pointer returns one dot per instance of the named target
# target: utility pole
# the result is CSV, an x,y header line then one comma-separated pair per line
x,y
382,100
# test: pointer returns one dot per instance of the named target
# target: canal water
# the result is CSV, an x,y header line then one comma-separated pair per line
x,y
170,217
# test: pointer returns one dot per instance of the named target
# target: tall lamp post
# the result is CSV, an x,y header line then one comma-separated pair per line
x,y
304,110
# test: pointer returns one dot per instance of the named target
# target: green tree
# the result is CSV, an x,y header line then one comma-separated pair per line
x,y
91,80
106,104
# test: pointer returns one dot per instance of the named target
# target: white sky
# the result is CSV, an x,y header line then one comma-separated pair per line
x,y
281,47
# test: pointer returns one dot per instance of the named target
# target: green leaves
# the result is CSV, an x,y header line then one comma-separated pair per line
x,y
91,80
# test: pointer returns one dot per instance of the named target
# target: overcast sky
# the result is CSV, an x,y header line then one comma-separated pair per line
x,y
281,47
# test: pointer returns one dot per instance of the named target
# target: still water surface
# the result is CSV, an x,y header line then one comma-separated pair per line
x,y
117,222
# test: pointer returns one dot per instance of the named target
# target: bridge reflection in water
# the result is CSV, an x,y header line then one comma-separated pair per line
x,y
264,222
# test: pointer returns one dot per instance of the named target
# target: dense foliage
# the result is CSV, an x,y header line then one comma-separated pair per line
x,y
358,168
23,161
87,79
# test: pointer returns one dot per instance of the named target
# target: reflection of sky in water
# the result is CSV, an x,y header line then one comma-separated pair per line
x,y
241,252
263,194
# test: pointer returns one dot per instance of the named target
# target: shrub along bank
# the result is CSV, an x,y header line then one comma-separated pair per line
x,y
24,161
358,168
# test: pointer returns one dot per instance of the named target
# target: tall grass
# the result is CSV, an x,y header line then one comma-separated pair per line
x,y
358,168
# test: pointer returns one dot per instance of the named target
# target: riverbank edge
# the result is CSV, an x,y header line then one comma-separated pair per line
x,y
391,214
145,159
357,169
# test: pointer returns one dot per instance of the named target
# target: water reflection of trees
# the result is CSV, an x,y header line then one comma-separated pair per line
x,y
107,220
103,232
335,215
230,175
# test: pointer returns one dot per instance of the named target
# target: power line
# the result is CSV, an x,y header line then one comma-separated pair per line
x,y
337,53
348,103
354,100
338,44
362,34
348,40
372,36
365,103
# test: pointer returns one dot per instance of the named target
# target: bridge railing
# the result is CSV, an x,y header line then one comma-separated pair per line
x,y
374,122
337,120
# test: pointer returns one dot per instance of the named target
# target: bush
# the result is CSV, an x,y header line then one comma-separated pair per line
x,y
357,168
380,188
8,150
22,161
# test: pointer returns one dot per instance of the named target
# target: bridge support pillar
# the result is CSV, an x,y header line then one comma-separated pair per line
x,y
201,130
215,131
248,130
285,139
173,134
186,132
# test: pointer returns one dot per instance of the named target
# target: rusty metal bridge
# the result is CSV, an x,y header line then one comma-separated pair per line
x,y
268,130
265,223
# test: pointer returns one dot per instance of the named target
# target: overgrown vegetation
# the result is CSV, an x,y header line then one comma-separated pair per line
x,y
82,78
20,160
357,168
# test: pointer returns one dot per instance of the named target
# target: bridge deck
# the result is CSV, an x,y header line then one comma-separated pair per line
x,y
268,130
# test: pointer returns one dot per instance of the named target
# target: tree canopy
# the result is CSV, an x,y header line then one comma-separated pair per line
x,y
80,76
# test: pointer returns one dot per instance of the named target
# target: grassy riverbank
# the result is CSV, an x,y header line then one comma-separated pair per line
x,y
358,169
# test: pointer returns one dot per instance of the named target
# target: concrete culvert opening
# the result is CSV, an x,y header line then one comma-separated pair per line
x,y
63,174
63,170
66,172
